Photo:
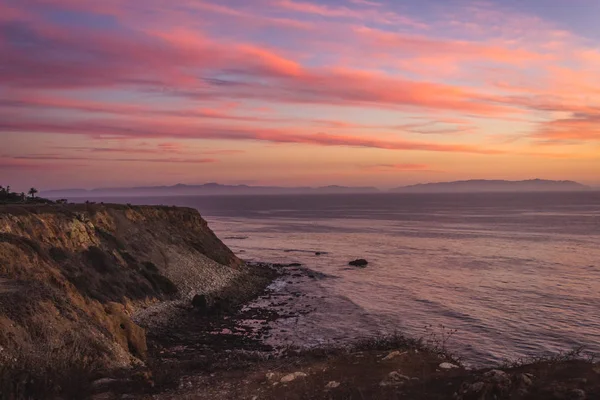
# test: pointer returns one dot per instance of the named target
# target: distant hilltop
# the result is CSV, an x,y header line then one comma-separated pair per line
x,y
205,189
482,185
208,189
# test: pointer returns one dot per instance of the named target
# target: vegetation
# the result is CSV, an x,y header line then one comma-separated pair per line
x,y
9,197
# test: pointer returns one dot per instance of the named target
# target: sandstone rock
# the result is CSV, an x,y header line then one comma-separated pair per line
x,y
393,355
332,385
525,380
394,378
292,377
447,365
98,383
271,376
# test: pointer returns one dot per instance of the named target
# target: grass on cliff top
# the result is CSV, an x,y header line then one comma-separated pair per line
x,y
90,207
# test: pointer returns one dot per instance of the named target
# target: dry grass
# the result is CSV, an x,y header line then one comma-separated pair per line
x,y
71,278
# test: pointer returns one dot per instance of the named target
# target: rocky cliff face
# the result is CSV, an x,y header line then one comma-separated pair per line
x,y
71,277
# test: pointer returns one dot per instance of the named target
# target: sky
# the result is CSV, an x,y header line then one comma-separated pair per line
x,y
381,93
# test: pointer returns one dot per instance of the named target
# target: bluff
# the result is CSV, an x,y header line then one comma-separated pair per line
x,y
73,276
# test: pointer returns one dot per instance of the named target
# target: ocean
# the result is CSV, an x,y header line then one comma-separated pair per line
x,y
500,276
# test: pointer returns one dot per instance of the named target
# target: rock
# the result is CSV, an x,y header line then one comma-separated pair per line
x,y
292,377
103,396
447,365
271,376
361,262
394,378
581,381
294,265
103,382
332,385
318,253
392,355
497,376
525,380
476,387
576,394
200,302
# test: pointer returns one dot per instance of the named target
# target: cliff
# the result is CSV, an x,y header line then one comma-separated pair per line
x,y
72,277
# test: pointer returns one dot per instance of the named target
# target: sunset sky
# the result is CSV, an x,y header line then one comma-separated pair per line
x,y
295,92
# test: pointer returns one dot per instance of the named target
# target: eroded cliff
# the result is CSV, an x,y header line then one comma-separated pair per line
x,y
71,277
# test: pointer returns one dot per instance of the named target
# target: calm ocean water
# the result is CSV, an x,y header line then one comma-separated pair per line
x,y
513,274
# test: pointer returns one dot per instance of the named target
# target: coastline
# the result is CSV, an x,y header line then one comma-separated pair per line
x,y
114,301
214,357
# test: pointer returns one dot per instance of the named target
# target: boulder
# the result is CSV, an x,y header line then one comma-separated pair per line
x,y
361,262
332,385
525,380
292,377
447,365
497,376
392,355
395,378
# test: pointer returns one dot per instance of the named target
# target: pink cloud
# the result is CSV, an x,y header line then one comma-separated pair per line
x,y
171,160
579,128
372,14
448,50
312,8
140,129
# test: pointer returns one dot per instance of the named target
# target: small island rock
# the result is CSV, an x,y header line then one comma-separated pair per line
x,y
361,262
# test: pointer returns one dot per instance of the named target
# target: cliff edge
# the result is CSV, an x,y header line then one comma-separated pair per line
x,y
72,277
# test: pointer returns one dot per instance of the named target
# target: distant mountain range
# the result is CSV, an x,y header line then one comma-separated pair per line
x,y
205,189
534,185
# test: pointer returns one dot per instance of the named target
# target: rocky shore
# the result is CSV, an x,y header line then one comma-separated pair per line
x,y
225,357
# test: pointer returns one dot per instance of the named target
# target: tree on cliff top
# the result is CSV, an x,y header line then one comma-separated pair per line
x,y
32,192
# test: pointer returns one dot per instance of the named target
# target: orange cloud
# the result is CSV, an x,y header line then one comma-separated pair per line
x,y
579,128
398,168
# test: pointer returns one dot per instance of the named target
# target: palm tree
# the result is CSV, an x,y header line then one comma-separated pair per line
x,y
32,192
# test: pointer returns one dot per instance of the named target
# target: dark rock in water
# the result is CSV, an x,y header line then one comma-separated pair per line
x,y
294,265
318,253
200,302
361,262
